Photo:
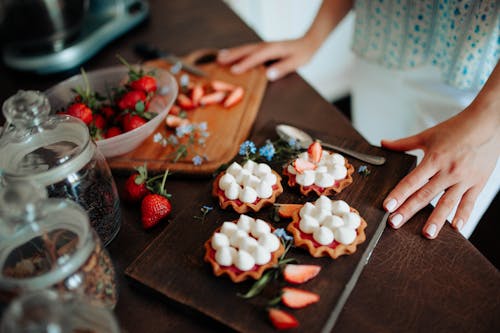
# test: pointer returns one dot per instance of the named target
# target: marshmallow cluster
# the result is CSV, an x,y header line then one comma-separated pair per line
x,y
248,182
328,220
244,244
330,168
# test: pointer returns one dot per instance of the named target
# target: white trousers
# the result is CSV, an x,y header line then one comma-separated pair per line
x,y
390,104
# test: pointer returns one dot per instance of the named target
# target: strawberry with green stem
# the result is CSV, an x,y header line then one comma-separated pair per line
x,y
155,206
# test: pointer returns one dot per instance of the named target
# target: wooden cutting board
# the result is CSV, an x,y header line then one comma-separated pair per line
x,y
227,128
173,263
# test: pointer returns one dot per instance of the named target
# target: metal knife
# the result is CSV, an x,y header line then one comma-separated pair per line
x,y
148,52
330,323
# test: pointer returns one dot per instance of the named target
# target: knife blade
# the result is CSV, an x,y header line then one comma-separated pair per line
x,y
365,257
149,52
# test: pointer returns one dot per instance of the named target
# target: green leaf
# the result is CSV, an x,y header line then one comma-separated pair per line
x,y
140,107
258,286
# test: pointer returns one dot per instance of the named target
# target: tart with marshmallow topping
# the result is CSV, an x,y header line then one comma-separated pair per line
x,y
247,187
243,248
320,171
325,227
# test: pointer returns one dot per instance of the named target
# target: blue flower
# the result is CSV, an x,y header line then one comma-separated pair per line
x,y
203,126
363,169
281,233
247,147
197,160
173,140
267,151
183,130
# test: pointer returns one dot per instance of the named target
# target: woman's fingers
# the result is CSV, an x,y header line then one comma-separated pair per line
x,y
229,56
465,207
405,144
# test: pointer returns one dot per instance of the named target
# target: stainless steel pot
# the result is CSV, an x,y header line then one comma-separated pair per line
x,y
41,23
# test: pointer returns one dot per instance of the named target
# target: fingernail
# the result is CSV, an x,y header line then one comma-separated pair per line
x,y
236,69
391,205
431,230
272,74
396,220
459,224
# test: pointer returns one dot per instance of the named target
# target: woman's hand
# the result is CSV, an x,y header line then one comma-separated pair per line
x,y
460,155
288,56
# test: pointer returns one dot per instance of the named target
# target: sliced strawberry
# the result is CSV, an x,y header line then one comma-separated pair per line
x,y
175,110
234,97
185,102
315,151
298,298
213,98
113,131
302,165
219,85
196,94
282,320
175,121
298,274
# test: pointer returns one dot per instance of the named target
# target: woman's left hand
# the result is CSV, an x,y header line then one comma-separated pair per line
x,y
460,155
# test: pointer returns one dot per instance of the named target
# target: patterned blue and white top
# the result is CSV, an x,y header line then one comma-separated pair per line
x,y
459,37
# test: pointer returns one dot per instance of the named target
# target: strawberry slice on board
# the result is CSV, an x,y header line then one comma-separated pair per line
x,y
298,298
282,320
213,98
173,121
302,165
219,85
196,94
234,97
298,274
185,102
315,151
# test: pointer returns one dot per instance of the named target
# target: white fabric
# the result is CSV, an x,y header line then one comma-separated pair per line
x,y
391,104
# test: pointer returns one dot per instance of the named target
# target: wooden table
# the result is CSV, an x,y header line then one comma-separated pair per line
x,y
410,284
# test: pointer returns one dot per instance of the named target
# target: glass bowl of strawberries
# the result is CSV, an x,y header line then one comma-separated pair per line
x,y
121,106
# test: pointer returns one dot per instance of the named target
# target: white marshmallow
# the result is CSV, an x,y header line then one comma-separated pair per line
x,y
324,179
244,223
304,156
250,165
259,227
234,169
269,241
248,244
228,228
219,240
262,169
323,202
233,192
308,224
332,222
260,255
242,175
270,178
307,209
323,236
251,181
264,190
226,180
306,178
291,169
321,168
345,235
244,261
338,171
340,207
223,256
248,195
351,220
336,158
237,238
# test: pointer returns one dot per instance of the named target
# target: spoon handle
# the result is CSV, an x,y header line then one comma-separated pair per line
x,y
372,159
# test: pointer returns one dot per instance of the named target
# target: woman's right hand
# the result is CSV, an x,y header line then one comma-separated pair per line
x,y
288,56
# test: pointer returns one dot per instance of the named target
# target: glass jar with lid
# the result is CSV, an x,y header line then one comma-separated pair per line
x,y
57,152
47,243
49,311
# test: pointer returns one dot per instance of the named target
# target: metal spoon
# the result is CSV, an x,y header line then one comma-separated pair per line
x,y
287,132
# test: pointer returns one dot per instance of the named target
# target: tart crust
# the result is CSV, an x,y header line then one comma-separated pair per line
x,y
324,250
241,207
336,188
234,274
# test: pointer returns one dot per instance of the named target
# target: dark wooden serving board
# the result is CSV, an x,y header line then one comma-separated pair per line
x,y
173,263
227,127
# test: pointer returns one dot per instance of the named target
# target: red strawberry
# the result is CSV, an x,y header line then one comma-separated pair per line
x,y
108,112
282,320
219,85
130,99
99,121
297,298
135,187
174,110
315,151
196,94
113,131
185,102
234,97
154,208
300,273
131,122
213,98
145,83
81,111
302,165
